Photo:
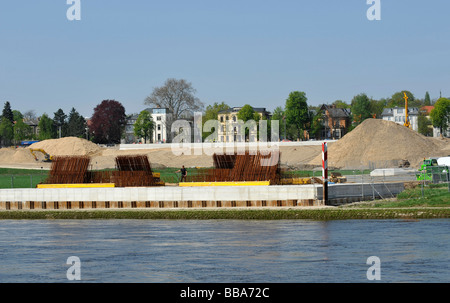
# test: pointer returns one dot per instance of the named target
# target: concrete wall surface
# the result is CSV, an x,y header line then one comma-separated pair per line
x,y
214,196
214,193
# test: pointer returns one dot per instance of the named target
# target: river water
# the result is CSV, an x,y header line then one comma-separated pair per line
x,y
229,251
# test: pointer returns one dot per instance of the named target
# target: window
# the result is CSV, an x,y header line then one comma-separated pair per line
x,y
158,118
159,126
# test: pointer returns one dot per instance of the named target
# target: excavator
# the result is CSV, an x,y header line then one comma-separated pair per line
x,y
407,123
47,157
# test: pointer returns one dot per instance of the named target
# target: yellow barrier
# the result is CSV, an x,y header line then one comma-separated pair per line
x,y
243,183
83,185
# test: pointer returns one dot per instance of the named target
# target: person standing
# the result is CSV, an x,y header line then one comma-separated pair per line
x,y
183,172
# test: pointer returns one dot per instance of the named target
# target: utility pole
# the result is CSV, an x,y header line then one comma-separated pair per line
x,y
325,173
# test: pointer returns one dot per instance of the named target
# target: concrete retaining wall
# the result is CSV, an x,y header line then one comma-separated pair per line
x,y
353,192
169,197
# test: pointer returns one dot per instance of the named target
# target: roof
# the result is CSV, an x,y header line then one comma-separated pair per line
x,y
237,109
427,109
390,111
158,110
336,112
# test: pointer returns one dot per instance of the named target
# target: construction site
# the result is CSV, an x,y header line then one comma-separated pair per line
x,y
83,175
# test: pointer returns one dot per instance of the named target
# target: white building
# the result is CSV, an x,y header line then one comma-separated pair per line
x,y
397,115
162,117
226,119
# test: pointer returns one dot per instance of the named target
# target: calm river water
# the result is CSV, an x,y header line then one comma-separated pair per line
x,y
224,250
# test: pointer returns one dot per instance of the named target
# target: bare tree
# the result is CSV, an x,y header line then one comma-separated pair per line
x,y
176,95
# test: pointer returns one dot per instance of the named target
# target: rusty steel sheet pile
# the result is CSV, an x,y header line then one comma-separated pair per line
x,y
131,171
241,167
68,169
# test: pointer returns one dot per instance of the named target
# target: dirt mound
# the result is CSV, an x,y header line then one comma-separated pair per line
x,y
377,143
22,155
69,146
7,154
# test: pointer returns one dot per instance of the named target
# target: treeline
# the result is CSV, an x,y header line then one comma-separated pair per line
x,y
296,118
16,126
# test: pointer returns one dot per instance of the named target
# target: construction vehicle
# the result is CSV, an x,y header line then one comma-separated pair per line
x,y
47,157
430,170
337,177
407,123
403,163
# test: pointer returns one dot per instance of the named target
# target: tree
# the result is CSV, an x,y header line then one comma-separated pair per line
x,y
245,114
427,100
29,115
316,125
108,122
297,113
45,127
279,114
7,112
398,100
76,124
176,95
341,104
6,131
440,114
60,123
17,115
377,106
143,128
211,113
361,108
424,124
22,131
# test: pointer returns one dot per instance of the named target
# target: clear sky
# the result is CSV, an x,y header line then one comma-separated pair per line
x,y
240,52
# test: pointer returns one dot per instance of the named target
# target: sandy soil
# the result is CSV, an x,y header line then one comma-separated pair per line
x,y
373,144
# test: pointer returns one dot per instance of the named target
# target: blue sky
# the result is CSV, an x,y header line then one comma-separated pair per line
x,y
239,52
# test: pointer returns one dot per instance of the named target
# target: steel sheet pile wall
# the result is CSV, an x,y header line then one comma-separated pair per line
x,y
133,171
241,167
68,170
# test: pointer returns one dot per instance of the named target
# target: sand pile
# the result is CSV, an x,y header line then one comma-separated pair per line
x,y
7,154
377,143
69,146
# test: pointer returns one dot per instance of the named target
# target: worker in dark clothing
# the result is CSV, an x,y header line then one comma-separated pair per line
x,y
183,172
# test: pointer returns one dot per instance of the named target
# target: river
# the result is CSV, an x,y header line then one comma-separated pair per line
x,y
229,251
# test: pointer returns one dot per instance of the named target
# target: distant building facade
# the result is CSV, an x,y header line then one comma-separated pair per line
x,y
397,115
335,121
162,117
234,133
33,124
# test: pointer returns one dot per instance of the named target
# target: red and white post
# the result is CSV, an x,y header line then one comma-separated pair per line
x,y
325,172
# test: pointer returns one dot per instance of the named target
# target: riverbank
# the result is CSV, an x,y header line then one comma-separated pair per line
x,y
320,213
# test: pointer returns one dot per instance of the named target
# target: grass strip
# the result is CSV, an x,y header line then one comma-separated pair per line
x,y
234,214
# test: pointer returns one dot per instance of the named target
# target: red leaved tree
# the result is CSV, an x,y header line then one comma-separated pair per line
x,y
108,122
